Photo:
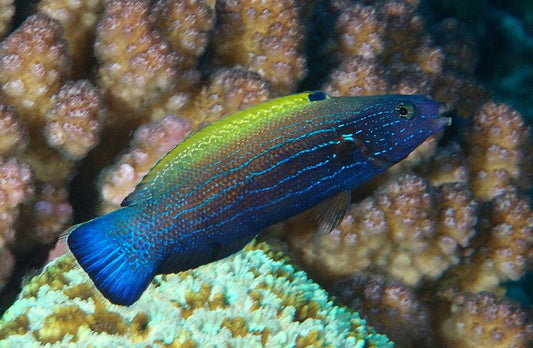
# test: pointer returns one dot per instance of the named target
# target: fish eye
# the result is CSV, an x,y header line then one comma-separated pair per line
x,y
405,110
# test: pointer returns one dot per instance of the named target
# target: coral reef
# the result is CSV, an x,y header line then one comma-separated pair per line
x,y
267,37
75,121
13,137
227,91
136,64
482,320
389,306
49,123
503,246
187,25
79,20
7,10
496,149
408,230
34,65
150,142
249,299
16,187
454,217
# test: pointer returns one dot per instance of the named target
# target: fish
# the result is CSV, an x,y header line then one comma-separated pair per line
x,y
215,191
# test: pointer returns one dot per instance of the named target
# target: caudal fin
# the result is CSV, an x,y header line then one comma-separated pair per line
x,y
120,271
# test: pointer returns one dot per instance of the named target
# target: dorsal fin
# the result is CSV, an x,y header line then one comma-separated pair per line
x,y
141,193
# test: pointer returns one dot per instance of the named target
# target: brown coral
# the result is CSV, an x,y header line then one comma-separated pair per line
x,y
75,121
79,20
187,25
150,143
16,188
33,65
504,245
388,305
384,31
360,32
408,230
48,215
227,91
136,64
7,10
497,150
387,38
482,320
264,36
13,134
356,76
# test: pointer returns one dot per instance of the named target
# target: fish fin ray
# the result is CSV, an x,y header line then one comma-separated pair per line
x,y
120,272
141,193
331,212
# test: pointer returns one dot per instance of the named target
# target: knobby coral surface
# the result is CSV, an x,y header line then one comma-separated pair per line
x,y
48,124
253,298
483,320
390,306
7,10
265,36
453,217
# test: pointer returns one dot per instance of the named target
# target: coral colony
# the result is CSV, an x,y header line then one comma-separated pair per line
x,y
102,89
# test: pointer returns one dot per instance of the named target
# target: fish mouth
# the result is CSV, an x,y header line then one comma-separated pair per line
x,y
445,114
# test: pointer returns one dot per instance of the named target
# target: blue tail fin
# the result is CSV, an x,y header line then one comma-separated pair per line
x,y
119,270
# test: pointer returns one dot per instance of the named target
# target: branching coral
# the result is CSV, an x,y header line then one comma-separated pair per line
x,y
7,10
497,150
136,64
252,298
16,187
13,134
264,36
33,66
42,111
75,121
389,306
482,320
408,230
150,142
390,34
384,48
228,91
183,64
187,25
504,245
79,21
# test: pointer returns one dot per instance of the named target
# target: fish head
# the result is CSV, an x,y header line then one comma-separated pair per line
x,y
390,127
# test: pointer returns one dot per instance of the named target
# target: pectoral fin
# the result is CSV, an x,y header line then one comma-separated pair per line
x,y
331,212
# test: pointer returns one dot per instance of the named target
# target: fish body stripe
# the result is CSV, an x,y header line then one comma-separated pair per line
x,y
216,190
284,171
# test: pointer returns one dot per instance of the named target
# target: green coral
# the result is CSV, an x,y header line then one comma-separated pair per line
x,y
252,298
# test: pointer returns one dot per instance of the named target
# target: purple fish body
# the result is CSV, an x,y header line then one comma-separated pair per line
x,y
215,191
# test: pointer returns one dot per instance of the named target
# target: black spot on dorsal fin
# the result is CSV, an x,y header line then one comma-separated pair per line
x,y
317,96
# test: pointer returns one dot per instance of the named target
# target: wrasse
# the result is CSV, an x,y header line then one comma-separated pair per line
x,y
211,195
